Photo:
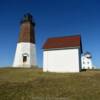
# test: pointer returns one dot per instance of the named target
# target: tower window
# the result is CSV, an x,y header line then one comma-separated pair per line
x,y
87,62
24,58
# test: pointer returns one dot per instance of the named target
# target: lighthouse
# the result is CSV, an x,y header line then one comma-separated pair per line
x,y
25,55
87,61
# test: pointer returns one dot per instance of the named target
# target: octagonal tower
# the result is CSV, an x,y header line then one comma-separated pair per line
x,y
25,55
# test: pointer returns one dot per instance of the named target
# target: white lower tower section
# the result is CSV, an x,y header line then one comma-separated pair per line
x,y
86,63
25,55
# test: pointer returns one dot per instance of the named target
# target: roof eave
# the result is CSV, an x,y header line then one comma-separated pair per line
x,y
76,47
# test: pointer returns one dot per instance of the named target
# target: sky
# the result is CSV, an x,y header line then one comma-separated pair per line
x,y
53,18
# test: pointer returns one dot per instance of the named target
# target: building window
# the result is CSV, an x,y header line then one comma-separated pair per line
x,y
24,58
87,62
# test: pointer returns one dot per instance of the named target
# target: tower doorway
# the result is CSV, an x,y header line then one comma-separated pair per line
x,y
24,59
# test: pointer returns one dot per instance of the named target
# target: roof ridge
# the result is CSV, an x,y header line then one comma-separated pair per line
x,y
65,36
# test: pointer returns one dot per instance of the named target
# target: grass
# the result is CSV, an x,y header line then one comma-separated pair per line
x,y
33,84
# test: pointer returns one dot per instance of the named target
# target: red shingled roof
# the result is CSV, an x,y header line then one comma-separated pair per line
x,y
62,42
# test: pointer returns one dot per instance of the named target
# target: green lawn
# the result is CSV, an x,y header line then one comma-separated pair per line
x,y
33,84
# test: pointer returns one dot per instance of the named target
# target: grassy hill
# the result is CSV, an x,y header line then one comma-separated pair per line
x,y
33,84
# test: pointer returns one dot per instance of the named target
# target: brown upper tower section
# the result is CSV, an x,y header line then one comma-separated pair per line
x,y
27,29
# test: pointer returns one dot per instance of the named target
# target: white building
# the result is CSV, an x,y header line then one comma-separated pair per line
x,y
62,54
25,55
87,61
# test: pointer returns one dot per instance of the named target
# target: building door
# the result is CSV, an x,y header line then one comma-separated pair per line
x,y
24,59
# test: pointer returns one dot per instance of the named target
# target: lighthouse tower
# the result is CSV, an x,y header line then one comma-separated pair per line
x,y
87,61
25,55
